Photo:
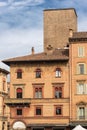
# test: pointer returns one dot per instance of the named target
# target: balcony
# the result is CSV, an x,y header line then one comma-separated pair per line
x,y
17,102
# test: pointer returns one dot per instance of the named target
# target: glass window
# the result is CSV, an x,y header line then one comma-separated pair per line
x,y
19,111
38,110
81,51
38,73
19,92
81,113
58,72
38,92
19,74
81,88
58,110
81,69
58,92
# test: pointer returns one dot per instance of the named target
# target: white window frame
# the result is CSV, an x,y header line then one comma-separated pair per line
x,y
80,88
81,112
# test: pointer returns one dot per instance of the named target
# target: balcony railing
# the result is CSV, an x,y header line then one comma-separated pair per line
x,y
20,102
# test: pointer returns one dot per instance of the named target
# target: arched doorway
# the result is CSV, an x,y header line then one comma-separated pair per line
x,y
19,126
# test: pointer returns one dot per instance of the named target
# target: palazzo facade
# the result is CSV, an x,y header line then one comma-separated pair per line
x,y
48,90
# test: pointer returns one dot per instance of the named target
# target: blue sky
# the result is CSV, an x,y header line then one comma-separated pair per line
x,y
21,24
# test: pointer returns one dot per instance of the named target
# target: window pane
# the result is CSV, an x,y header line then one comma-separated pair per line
x,y
81,68
19,93
58,92
81,112
38,73
19,75
19,111
38,111
38,92
80,89
58,72
58,111
80,51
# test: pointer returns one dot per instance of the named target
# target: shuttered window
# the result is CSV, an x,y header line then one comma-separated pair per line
x,y
80,51
81,113
81,68
81,88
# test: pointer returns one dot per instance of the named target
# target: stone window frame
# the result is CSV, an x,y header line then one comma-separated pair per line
x,y
82,90
58,85
81,115
38,86
39,107
22,86
81,68
58,72
19,73
19,112
59,107
38,73
18,94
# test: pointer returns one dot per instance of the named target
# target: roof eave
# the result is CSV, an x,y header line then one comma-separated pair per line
x,y
21,61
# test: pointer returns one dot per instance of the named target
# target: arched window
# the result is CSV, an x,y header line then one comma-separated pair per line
x,y
19,74
58,72
38,73
81,111
19,92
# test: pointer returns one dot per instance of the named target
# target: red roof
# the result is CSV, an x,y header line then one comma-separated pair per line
x,y
57,55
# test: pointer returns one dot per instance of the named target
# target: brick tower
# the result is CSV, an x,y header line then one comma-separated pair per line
x,y
57,24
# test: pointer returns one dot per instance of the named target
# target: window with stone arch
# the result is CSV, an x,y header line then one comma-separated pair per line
x,y
81,110
38,73
19,92
19,73
58,72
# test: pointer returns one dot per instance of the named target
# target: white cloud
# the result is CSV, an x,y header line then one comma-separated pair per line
x,y
3,4
15,3
20,42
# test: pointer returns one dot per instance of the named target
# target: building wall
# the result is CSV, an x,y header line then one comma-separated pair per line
x,y
57,24
48,102
3,107
78,99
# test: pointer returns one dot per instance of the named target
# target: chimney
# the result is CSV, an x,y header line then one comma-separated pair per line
x,y
32,50
70,32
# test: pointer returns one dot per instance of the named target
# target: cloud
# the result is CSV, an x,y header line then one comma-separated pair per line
x,y
27,2
17,3
21,23
20,42
3,4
